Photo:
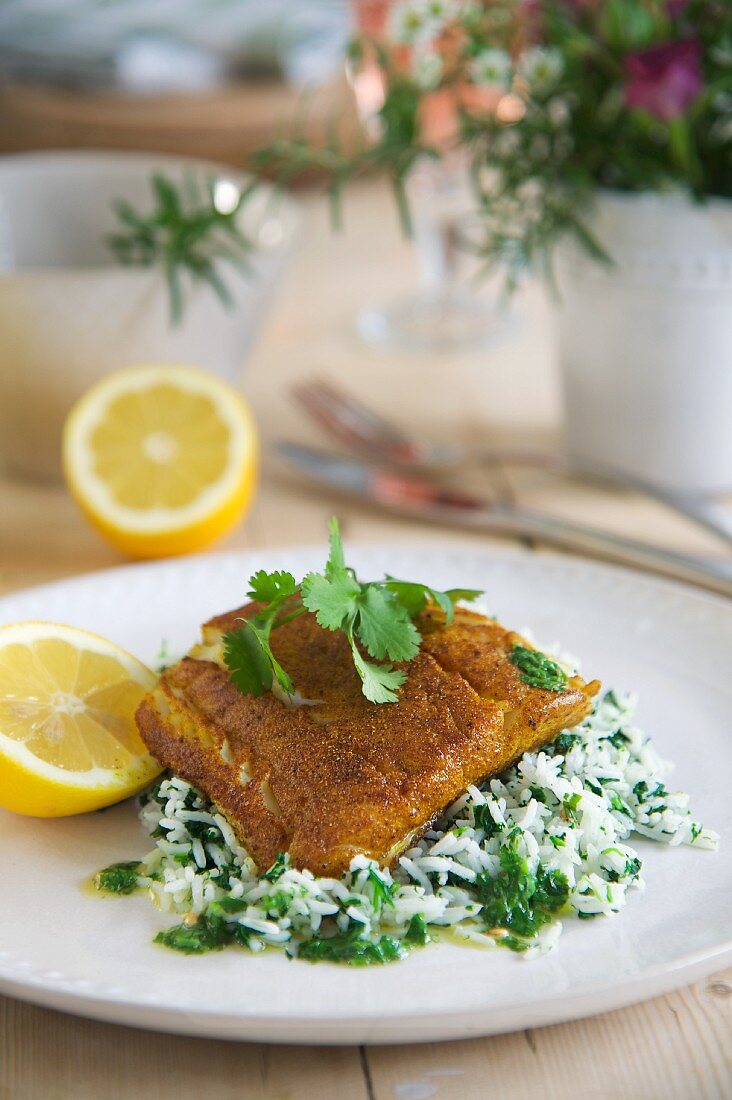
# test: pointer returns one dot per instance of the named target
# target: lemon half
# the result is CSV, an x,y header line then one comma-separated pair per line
x,y
161,458
68,739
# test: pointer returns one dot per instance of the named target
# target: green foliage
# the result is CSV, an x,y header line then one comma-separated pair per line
x,y
351,947
271,586
185,234
119,878
537,669
573,130
210,932
376,617
416,933
414,597
516,899
382,892
278,868
484,820
393,153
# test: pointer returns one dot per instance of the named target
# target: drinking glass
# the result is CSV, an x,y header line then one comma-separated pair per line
x,y
447,310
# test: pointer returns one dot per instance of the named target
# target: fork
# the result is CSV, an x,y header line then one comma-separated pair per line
x,y
348,420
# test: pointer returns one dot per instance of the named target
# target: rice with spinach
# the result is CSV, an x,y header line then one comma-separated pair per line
x,y
508,861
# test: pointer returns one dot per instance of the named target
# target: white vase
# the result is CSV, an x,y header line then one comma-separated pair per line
x,y
646,346
69,314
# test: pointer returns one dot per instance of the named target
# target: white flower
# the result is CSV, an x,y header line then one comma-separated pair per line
x,y
720,132
491,66
541,69
408,23
506,143
530,191
415,21
558,111
427,68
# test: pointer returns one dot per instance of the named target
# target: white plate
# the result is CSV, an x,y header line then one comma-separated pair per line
x,y
62,947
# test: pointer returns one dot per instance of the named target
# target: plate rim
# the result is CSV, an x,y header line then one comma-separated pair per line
x,y
411,545
344,1031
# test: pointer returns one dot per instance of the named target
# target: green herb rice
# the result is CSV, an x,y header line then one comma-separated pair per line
x,y
509,861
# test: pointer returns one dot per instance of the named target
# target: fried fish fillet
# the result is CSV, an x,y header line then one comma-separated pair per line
x,y
339,776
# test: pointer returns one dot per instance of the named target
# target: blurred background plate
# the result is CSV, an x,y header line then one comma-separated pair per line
x,y
175,76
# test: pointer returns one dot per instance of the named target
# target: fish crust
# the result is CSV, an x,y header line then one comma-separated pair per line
x,y
339,776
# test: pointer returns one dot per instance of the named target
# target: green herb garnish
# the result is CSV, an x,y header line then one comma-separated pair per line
x,y
393,152
277,903
570,807
383,892
517,899
618,739
566,741
189,231
210,932
375,616
163,659
537,669
619,806
484,820
417,931
278,868
351,947
120,878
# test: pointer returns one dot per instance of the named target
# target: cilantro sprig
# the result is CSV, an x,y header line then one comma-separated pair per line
x,y
375,616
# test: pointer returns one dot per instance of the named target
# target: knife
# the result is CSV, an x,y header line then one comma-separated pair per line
x,y
422,498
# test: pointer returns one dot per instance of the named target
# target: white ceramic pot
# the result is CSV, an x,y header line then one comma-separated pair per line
x,y
646,347
69,314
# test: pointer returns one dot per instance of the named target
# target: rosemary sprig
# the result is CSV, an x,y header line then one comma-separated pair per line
x,y
393,153
186,232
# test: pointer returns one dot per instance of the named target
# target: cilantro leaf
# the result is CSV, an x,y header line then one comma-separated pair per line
x,y
468,594
332,598
282,677
249,658
380,682
336,563
376,618
413,597
266,587
247,661
385,627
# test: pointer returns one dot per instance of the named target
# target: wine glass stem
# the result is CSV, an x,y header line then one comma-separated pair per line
x,y
437,197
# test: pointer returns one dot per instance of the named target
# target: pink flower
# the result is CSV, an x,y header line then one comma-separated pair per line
x,y
664,80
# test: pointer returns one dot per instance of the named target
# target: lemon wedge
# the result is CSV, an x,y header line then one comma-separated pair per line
x,y
161,458
68,739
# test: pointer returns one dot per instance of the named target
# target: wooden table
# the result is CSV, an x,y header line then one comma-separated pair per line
x,y
673,1047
